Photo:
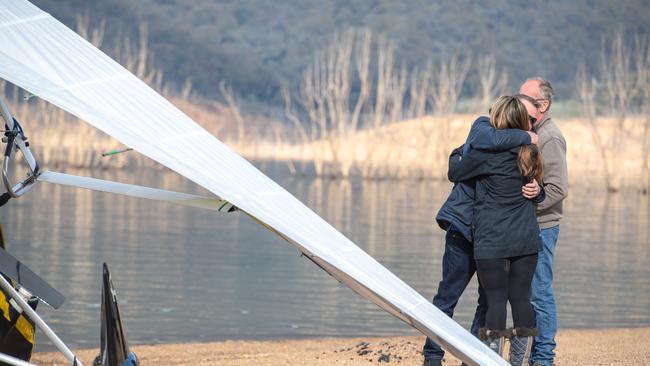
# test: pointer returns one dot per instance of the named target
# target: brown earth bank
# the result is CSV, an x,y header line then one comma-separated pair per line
x,y
629,346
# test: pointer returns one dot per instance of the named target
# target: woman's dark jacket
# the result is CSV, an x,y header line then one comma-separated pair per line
x,y
504,220
457,213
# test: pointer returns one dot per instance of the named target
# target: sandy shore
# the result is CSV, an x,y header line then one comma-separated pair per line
x,y
575,347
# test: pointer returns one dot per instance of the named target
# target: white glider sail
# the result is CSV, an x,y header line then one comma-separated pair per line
x,y
43,56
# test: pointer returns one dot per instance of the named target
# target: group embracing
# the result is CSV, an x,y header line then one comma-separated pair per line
x,y
502,221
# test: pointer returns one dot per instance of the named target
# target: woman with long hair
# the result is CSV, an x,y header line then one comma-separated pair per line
x,y
506,234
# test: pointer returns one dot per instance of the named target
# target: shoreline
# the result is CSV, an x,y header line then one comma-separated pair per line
x,y
612,346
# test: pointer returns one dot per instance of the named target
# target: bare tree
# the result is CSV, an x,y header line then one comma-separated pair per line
x,y
363,70
354,82
419,90
448,83
397,91
303,137
620,79
643,66
619,75
385,66
444,92
587,89
94,35
492,82
620,84
326,93
186,90
136,57
229,95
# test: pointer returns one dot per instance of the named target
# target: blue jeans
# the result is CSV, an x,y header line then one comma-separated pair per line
x,y
458,268
543,300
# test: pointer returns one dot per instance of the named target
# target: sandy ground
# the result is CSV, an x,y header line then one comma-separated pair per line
x,y
575,347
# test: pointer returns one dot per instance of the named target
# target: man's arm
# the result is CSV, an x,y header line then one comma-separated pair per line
x,y
485,137
556,182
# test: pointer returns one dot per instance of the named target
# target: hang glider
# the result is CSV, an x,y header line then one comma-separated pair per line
x,y
49,60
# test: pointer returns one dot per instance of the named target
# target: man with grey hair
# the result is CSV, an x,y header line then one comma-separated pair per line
x,y
549,212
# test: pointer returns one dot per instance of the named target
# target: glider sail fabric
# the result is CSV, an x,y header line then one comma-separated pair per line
x,y
43,56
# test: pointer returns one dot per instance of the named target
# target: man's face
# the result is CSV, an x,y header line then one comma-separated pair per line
x,y
532,111
531,89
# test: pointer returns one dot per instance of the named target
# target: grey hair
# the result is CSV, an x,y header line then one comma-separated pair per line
x,y
545,88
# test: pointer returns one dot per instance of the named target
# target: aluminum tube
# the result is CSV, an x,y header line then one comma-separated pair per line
x,y
39,322
209,203
6,115
13,361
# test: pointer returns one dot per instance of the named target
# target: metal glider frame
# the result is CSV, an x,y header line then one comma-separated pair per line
x,y
15,139
14,361
40,323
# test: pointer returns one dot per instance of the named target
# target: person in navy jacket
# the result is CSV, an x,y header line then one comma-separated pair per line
x,y
505,230
455,217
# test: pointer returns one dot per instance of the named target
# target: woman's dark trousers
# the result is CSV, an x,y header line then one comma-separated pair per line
x,y
508,280
458,267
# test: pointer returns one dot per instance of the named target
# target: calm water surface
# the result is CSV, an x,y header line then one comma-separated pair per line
x,y
186,274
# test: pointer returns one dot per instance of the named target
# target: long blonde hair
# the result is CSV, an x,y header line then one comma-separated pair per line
x,y
510,112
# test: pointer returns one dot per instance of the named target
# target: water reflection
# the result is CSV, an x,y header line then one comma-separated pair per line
x,y
186,274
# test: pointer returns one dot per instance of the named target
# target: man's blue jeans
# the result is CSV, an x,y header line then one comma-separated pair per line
x,y
543,300
458,268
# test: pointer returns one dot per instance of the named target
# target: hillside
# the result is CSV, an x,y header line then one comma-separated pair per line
x,y
256,45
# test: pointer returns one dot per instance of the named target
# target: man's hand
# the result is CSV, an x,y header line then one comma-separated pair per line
x,y
533,137
530,190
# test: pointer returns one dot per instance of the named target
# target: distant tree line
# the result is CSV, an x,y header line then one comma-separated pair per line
x,y
256,47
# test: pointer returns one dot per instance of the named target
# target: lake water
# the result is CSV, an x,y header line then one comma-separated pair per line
x,y
186,275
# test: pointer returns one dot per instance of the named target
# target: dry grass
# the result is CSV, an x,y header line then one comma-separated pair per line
x,y
60,140
419,148
415,149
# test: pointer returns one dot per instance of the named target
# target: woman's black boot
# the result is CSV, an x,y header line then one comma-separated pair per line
x,y
521,344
